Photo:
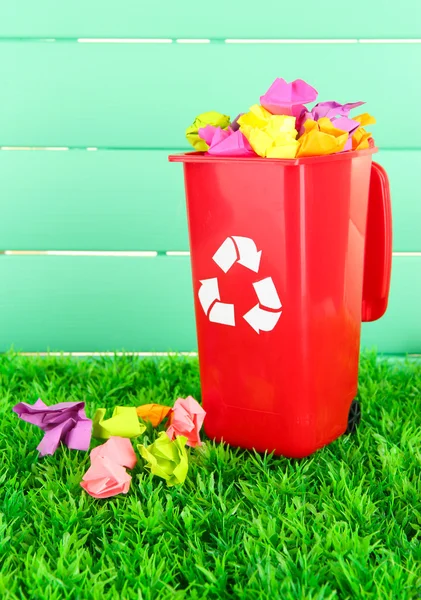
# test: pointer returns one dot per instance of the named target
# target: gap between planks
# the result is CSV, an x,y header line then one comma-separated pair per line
x,y
116,253
229,41
129,253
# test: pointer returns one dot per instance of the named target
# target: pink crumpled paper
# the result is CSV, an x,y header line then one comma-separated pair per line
x,y
284,98
225,142
117,449
107,476
64,422
186,420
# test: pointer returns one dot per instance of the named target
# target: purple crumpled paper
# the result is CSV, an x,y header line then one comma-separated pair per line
x,y
65,422
225,142
235,126
329,109
284,98
349,125
332,109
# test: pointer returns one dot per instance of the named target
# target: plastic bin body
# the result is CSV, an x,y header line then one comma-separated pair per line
x,y
282,379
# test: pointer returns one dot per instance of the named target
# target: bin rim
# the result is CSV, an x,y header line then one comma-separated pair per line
x,y
203,157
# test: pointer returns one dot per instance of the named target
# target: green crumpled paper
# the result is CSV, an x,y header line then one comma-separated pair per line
x,y
167,459
208,118
123,423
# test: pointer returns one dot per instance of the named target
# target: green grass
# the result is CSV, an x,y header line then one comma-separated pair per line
x,y
344,523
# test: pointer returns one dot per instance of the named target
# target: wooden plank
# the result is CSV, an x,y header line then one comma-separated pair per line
x,y
136,18
399,331
144,96
96,303
134,200
80,200
404,170
106,304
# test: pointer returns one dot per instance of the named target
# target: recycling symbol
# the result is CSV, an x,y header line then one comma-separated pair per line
x,y
261,317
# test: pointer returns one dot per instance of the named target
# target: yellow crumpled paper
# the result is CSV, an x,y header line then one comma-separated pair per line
x,y
360,139
270,136
124,422
167,459
321,137
365,119
208,118
361,136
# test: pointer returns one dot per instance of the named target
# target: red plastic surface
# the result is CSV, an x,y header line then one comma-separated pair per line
x,y
288,389
378,247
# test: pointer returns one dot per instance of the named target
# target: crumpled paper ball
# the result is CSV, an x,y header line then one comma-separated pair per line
x,y
270,136
124,422
107,475
167,459
225,142
320,138
186,419
284,98
105,478
208,118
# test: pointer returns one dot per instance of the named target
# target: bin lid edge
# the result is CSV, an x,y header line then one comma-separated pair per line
x,y
203,157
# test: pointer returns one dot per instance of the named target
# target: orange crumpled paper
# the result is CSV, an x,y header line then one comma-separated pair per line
x,y
361,136
321,137
155,413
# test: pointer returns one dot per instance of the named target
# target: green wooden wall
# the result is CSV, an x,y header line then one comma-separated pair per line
x,y
96,94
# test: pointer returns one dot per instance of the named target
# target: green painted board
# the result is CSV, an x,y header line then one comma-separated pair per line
x,y
139,304
189,18
399,331
96,303
404,170
81,200
134,200
144,96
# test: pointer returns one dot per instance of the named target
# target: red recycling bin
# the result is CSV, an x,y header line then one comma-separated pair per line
x,y
288,257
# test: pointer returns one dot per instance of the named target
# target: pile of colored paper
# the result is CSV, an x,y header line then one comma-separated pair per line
x,y
282,126
167,457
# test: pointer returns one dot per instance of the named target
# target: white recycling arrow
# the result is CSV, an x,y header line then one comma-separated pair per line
x,y
220,312
226,255
249,256
267,294
208,293
258,318
244,251
261,320
237,248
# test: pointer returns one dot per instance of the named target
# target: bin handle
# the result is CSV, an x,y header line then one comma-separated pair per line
x,y
378,247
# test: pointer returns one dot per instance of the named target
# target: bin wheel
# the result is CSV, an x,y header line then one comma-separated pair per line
x,y
354,417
